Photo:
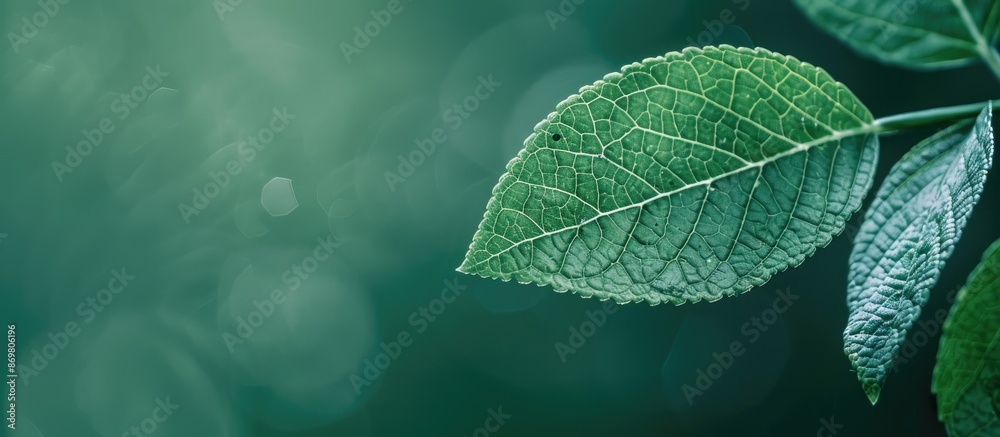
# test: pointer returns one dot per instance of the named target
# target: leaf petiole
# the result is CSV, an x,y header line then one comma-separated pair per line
x,y
909,120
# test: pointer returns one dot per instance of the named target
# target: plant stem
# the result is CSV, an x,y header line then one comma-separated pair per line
x,y
926,117
992,59
986,51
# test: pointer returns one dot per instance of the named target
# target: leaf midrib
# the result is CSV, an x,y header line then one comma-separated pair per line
x,y
799,148
971,27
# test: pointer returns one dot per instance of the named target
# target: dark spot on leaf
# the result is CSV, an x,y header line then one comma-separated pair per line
x,y
556,137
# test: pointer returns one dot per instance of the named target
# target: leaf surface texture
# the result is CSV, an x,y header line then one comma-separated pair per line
x,y
687,177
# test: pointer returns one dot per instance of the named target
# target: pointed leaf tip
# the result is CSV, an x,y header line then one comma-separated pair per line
x,y
873,390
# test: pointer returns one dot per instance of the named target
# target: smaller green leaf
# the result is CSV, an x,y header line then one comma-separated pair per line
x,y
967,374
926,34
909,232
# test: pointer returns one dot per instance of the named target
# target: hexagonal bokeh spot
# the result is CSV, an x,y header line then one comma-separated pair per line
x,y
278,197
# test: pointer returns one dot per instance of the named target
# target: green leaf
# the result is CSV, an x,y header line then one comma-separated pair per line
x,y
692,176
909,231
975,413
967,374
921,34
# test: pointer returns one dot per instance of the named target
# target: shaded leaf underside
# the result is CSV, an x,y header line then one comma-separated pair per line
x,y
921,34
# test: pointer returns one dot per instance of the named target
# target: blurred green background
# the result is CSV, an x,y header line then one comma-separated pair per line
x,y
360,259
